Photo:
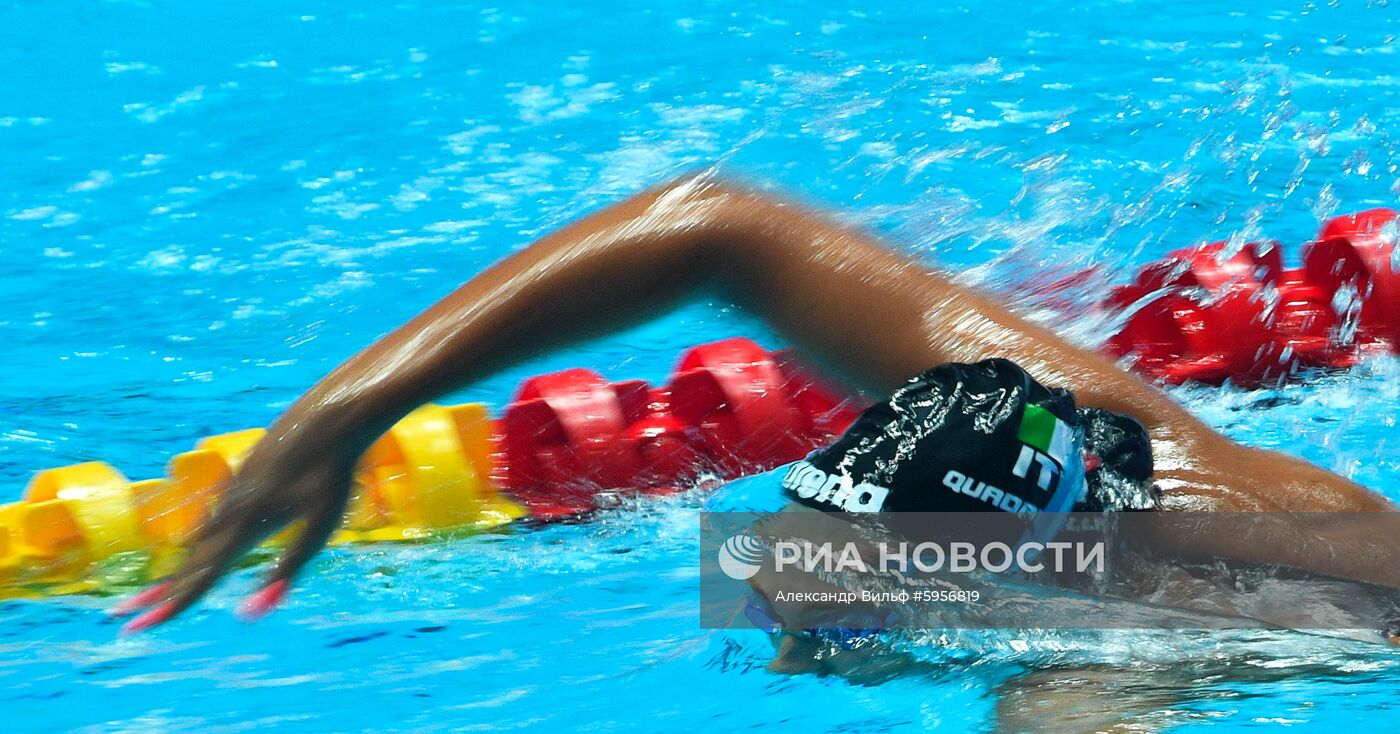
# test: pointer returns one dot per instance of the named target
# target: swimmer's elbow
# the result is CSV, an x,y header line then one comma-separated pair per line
x,y
724,232
735,217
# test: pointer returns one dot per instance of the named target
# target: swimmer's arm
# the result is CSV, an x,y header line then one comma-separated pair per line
x,y
869,315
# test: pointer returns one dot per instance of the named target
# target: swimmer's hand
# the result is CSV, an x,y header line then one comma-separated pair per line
x,y
271,493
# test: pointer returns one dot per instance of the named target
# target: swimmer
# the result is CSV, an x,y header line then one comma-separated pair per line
x,y
863,313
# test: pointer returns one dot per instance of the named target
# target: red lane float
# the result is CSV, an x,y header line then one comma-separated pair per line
x,y
732,397
564,438
730,408
1208,321
1211,313
1358,251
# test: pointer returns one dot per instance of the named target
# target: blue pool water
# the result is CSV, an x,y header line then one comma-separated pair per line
x,y
206,206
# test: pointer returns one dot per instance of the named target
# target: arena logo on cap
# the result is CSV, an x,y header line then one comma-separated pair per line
x,y
838,490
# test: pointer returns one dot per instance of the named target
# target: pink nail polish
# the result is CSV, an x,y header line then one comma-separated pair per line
x,y
135,603
264,600
148,620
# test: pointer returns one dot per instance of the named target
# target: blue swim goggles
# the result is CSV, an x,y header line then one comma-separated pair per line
x,y
761,615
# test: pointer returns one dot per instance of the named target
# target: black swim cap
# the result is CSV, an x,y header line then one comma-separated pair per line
x,y
973,438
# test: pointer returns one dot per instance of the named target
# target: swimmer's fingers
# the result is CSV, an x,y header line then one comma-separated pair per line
x,y
219,544
319,525
252,510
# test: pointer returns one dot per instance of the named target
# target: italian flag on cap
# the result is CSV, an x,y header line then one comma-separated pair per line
x,y
1041,430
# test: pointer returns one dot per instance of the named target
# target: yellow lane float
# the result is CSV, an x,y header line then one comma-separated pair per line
x,y
430,473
